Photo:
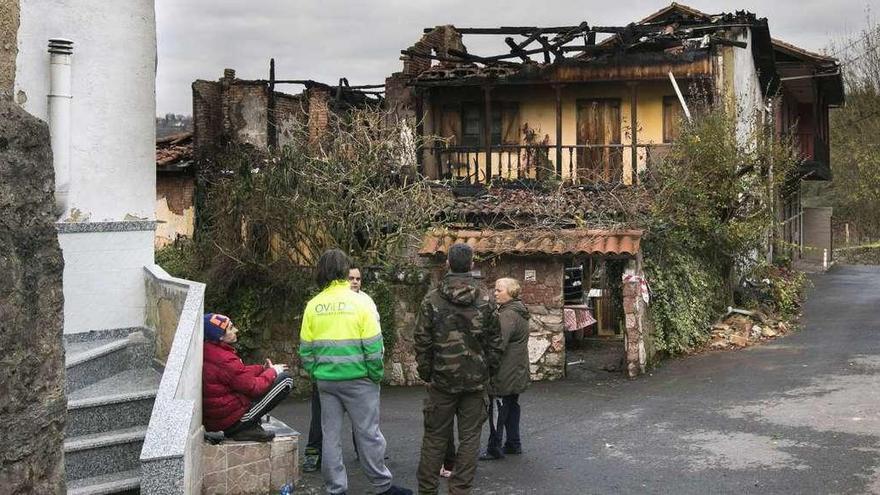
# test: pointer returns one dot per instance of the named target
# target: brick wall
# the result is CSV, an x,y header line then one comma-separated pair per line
x,y
232,110
290,113
438,41
207,118
319,111
177,190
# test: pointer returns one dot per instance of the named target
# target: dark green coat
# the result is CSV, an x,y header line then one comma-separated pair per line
x,y
513,372
457,341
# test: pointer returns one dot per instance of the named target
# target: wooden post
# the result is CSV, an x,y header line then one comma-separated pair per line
x,y
487,131
558,89
634,123
420,130
271,133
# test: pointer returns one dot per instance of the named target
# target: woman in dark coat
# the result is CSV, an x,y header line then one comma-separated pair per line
x,y
512,377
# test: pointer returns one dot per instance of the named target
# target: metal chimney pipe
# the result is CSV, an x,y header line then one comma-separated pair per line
x,y
60,98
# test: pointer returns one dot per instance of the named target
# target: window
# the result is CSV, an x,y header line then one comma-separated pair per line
x,y
672,114
504,126
471,124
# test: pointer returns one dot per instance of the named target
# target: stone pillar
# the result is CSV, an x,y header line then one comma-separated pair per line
x,y
634,308
31,310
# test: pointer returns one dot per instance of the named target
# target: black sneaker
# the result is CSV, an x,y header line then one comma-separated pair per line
x,y
396,490
488,455
512,450
253,433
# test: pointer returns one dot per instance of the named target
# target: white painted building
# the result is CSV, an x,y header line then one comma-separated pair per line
x,y
107,225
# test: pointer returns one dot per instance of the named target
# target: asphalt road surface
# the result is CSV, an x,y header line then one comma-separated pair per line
x,y
800,415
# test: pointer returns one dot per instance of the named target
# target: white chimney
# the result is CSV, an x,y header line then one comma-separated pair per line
x,y
60,97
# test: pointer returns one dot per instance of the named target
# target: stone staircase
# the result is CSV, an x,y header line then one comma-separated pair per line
x,y
111,386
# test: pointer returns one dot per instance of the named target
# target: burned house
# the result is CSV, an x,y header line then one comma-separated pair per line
x,y
589,108
175,188
253,112
239,113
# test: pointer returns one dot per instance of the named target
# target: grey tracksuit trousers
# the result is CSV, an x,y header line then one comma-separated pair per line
x,y
360,399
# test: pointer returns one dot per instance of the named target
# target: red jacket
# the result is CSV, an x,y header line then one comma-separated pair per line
x,y
228,386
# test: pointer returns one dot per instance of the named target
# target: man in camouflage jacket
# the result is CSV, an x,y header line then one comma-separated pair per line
x,y
458,347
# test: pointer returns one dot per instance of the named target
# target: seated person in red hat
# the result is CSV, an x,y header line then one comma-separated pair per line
x,y
235,395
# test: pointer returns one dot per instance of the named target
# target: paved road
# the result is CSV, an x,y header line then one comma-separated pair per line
x,y
798,416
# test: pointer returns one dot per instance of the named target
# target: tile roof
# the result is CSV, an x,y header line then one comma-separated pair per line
x,y
535,241
174,152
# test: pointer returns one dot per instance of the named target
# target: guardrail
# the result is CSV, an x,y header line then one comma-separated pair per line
x,y
171,455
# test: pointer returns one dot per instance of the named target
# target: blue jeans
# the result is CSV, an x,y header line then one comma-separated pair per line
x,y
504,424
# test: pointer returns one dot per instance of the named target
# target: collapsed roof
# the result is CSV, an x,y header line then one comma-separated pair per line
x,y
677,39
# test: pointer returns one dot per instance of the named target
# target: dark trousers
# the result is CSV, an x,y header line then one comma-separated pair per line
x,y
316,435
442,409
449,456
265,403
504,415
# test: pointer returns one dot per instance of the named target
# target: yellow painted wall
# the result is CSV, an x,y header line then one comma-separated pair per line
x,y
171,225
537,108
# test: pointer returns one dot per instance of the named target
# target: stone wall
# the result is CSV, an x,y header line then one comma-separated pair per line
x,y
543,296
8,46
252,468
541,279
400,361
31,305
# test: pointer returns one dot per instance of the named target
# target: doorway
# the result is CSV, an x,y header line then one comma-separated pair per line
x,y
598,128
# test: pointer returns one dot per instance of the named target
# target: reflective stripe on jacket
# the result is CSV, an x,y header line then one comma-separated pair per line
x,y
340,337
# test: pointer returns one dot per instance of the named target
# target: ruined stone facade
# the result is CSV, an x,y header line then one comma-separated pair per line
x,y
31,308
235,111
542,293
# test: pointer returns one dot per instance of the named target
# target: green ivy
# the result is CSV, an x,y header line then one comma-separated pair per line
x,y
687,295
383,296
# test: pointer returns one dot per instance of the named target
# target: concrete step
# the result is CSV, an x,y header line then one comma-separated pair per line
x,y
121,482
98,454
122,401
92,361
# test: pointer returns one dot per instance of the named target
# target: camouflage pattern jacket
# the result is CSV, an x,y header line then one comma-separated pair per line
x,y
457,339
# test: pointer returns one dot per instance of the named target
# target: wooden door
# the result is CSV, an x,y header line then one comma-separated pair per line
x,y
598,123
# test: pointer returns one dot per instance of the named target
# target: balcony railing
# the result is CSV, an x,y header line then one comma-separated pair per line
x,y
579,164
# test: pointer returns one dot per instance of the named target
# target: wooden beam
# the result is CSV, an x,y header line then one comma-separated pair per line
x,y
558,88
441,58
487,130
271,128
634,123
523,30
516,49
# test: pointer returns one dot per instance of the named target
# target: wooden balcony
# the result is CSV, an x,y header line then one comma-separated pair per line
x,y
573,164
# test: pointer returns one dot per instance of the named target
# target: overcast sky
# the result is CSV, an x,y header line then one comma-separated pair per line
x,y
361,40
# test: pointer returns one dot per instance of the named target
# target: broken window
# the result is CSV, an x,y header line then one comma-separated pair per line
x,y
471,124
504,125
